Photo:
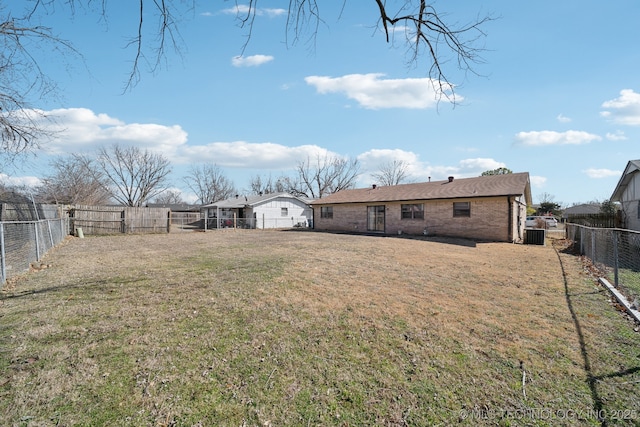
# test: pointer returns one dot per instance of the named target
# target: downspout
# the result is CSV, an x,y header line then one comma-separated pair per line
x,y
510,215
520,207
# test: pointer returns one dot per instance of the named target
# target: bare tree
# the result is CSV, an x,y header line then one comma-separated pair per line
x,y
75,180
326,175
209,183
134,176
392,173
169,197
267,185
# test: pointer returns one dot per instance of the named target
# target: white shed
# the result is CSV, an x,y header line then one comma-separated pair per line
x,y
277,210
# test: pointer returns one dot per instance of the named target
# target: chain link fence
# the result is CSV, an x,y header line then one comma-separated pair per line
x,y
614,251
186,221
258,223
25,242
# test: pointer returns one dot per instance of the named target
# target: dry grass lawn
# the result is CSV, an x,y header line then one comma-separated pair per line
x,y
275,328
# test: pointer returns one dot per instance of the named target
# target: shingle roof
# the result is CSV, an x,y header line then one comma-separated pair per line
x,y
514,184
252,200
585,208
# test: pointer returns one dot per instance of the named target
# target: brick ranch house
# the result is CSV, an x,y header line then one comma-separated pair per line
x,y
491,208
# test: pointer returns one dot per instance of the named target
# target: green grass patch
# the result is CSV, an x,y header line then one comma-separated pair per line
x,y
305,329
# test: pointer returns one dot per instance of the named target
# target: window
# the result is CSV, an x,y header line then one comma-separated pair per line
x,y
284,211
326,212
461,209
415,211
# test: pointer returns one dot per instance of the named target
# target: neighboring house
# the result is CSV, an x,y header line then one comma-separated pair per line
x,y
583,209
627,192
484,208
277,210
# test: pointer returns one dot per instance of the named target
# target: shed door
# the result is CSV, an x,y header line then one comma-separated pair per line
x,y
375,218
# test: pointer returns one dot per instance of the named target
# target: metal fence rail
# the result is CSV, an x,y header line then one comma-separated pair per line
x,y
24,242
613,250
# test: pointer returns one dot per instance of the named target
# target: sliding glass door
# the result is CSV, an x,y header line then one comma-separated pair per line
x,y
375,218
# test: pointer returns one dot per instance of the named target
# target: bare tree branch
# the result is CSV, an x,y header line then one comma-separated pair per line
x,y
261,185
22,128
75,180
209,183
169,197
134,176
392,173
326,175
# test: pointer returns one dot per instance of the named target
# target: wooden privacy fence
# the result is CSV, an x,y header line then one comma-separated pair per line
x,y
599,220
119,219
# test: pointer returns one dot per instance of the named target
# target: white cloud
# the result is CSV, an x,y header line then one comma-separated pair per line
x,y
601,173
373,92
548,137
466,168
372,160
623,110
419,171
479,165
243,9
80,129
251,61
537,181
617,136
242,154
375,157
19,181
563,119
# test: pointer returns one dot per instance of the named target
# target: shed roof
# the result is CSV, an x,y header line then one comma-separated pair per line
x,y
513,184
633,166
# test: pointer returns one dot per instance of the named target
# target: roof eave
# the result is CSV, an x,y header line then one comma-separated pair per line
x,y
632,167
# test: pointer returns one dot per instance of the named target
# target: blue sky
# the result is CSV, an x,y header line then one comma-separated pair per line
x,y
558,95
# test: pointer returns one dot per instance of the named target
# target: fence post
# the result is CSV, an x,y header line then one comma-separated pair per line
x,y
35,228
3,266
50,233
615,258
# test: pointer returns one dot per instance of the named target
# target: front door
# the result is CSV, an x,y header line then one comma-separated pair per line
x,y
375,218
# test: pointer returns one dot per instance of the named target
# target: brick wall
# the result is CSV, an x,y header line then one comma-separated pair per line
x,y
489,219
